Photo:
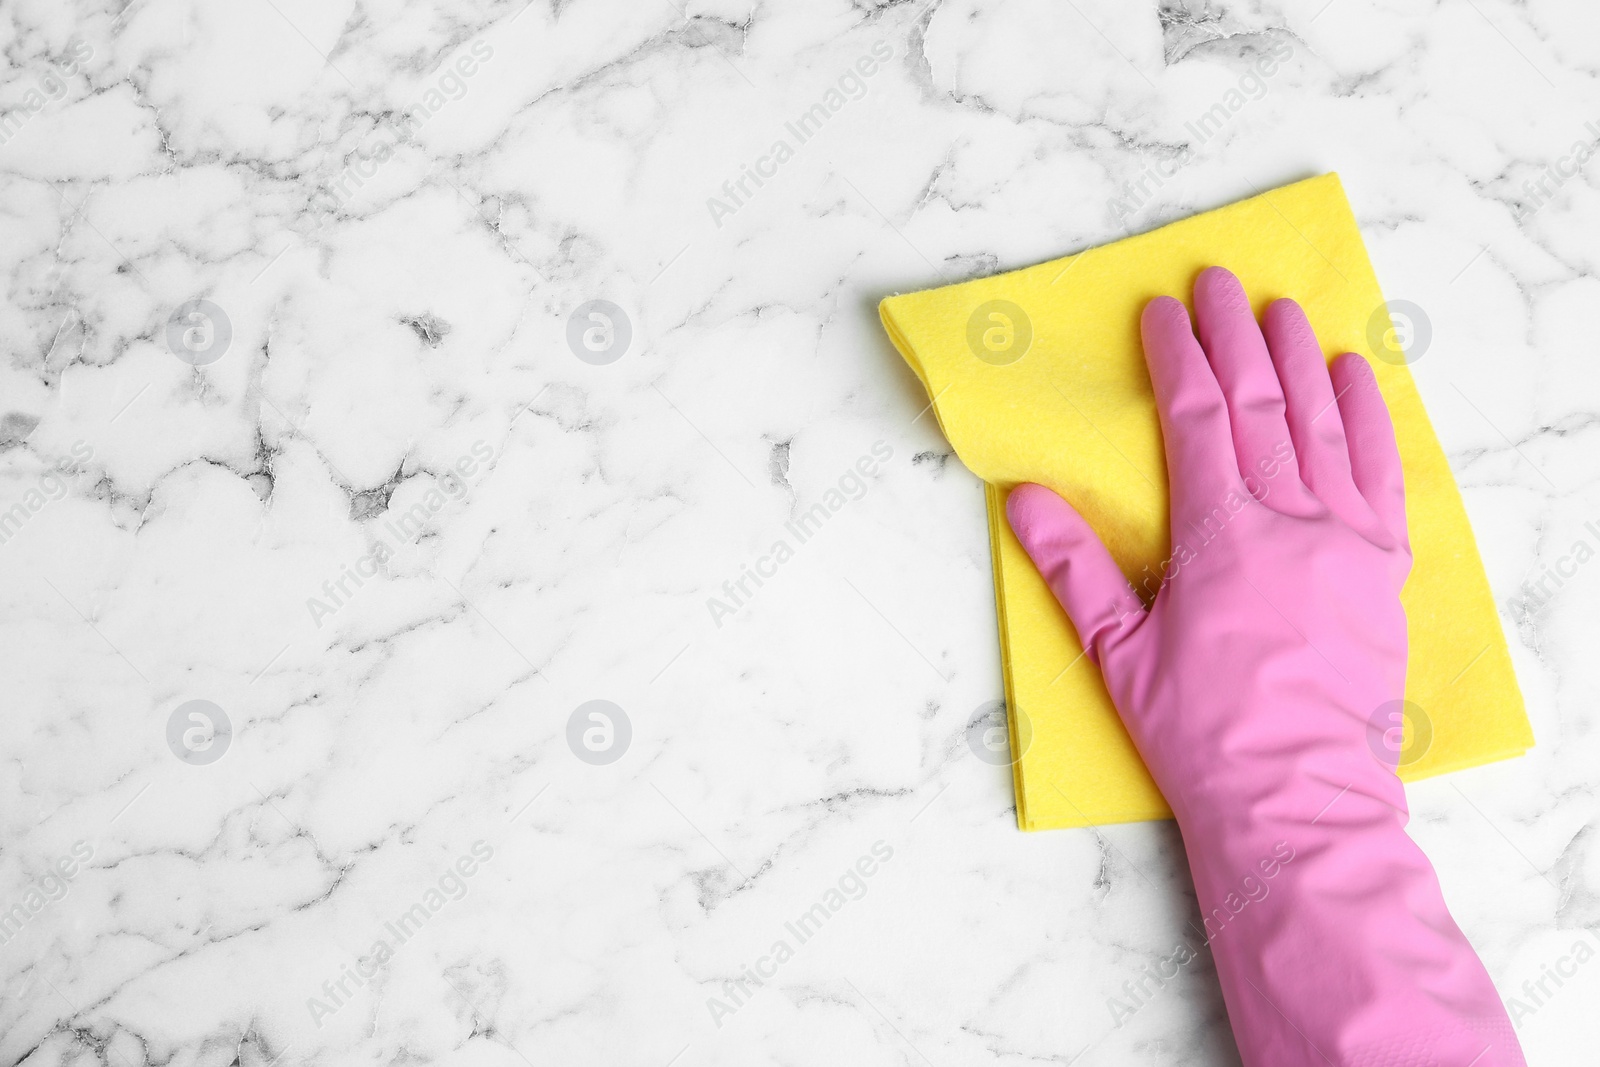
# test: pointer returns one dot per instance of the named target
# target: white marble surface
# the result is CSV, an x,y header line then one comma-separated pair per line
x,y
398,303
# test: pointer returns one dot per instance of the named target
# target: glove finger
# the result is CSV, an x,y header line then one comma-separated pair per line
x,y
1085,579
1201,465
1374,456
1316,423
1238,356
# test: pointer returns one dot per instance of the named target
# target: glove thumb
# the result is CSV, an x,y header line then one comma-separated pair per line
x,y
1080,572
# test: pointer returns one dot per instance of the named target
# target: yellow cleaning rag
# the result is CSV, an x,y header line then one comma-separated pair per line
x,y
1038,375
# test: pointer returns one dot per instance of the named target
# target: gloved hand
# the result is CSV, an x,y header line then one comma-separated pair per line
x,y
1251,682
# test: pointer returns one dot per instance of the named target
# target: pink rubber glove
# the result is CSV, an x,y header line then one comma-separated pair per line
x,y
1251,683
